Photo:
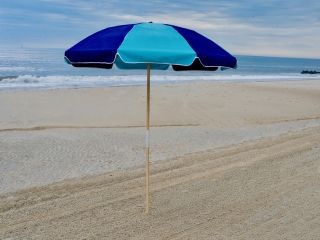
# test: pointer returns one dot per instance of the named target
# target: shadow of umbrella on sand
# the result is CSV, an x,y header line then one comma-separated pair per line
x,y
149,46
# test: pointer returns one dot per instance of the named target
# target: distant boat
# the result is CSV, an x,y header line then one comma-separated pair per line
x,y
309,72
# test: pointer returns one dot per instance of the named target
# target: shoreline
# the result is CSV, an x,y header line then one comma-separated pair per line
x,y
102,83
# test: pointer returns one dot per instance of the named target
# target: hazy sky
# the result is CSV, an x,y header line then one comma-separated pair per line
x,y
266,27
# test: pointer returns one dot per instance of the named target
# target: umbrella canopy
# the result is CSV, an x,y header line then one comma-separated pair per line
x,y
133,46
149,46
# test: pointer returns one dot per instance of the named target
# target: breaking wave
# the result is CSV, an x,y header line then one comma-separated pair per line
x,y
64,81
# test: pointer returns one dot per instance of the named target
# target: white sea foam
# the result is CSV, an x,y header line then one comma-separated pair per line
x,y
64,81
15,69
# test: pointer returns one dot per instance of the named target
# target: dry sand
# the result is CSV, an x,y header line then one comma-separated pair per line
x,y
206,104
268,189
239,161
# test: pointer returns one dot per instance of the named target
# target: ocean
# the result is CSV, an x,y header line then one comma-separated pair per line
x,y
30,68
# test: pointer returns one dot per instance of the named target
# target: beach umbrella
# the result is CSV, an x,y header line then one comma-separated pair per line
x,y
149,46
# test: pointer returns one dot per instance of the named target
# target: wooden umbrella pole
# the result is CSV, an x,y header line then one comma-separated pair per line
x,y
147,198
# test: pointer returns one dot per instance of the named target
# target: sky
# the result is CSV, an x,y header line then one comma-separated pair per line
x,y
288,28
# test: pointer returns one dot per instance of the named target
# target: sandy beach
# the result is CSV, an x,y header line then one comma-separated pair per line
x,y
229,161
